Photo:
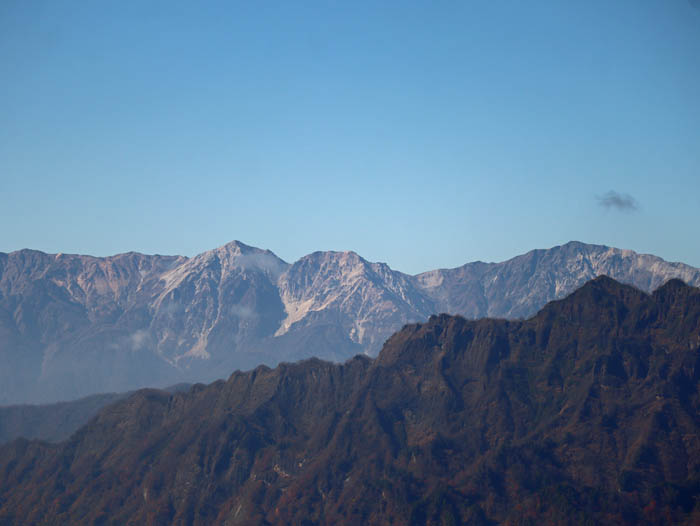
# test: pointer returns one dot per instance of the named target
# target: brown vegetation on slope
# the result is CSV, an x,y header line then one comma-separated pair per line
x,y
587,413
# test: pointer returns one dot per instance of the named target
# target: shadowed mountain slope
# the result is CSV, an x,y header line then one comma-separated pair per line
x,y
51,422
587,413
76,325
56,422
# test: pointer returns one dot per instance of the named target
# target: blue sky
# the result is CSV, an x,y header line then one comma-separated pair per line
x,y
423,134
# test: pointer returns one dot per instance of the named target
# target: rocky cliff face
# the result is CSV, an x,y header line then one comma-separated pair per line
x,y
587,413
369,301
74,325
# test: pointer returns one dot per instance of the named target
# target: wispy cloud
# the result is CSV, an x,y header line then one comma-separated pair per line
x,y
617,201
243,312
263,261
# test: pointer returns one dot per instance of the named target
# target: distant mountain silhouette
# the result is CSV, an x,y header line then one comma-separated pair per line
x,y
587,413
56,422
51,422
74,325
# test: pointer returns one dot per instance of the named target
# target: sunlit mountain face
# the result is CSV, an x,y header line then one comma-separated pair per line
x,y
76,325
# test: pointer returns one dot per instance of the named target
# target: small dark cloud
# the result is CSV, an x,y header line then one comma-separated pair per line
x,y
616,201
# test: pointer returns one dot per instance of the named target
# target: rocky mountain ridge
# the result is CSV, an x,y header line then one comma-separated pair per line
x,y
587,413
74,325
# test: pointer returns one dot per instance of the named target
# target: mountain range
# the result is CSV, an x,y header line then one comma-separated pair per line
x,y
587,413
74,325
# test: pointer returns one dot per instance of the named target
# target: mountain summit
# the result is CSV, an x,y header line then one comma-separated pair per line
x,y
73,325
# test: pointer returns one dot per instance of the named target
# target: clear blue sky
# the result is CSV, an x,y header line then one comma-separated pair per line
x,y
423,134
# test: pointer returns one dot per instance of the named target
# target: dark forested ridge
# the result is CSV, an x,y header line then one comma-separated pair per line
x,y
587,413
